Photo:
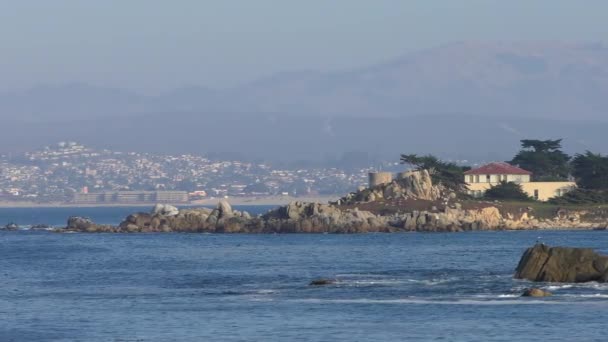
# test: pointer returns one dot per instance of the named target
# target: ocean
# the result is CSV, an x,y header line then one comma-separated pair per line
x,y
207,287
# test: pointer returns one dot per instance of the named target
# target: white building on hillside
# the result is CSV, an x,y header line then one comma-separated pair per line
x,y
481,179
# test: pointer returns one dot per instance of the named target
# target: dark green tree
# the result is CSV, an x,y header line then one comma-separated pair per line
x,y
581,196
544,158
591,171
446,173
507,191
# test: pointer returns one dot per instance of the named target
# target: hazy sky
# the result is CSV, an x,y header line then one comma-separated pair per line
x,y
155,45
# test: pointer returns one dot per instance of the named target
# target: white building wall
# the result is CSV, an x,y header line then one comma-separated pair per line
x,y
495,179
518,178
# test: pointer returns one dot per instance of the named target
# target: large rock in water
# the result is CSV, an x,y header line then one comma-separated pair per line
x,y
562,264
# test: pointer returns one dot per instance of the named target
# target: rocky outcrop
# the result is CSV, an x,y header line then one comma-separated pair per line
x,y
562,264
301,217
79,223
164,210
224,208
409,185
85,224
419,185
40,227
411,203
165,218
10,226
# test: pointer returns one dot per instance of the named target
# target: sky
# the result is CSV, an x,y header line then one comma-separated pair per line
x,y
152,46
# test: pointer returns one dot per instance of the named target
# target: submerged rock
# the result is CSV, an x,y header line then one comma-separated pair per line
x,y
322,282
562,264
535,292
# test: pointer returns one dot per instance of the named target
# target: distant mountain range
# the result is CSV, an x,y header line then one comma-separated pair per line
x,y
541,80
465,99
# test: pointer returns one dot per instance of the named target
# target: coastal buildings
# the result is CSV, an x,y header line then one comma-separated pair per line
x,y
481,179
65,172
131,197
379,178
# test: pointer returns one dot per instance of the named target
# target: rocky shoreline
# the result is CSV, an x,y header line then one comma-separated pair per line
x,y
409,204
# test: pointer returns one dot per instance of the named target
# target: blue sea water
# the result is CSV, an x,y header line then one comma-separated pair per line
x,y
206,287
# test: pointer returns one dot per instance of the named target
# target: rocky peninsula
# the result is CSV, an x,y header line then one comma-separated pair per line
x,y
408,204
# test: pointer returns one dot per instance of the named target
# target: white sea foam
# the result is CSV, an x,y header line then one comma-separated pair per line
x,y
594,285
494,296
359,275
366,280
509,295
431,282
558,287
593,295
589,285
432,302
266,291
482,299
379,281
371,282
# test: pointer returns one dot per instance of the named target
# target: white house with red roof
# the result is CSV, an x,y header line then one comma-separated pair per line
x,y
481,179
496,173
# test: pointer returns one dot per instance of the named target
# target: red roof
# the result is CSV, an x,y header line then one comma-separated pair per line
x,y
498,169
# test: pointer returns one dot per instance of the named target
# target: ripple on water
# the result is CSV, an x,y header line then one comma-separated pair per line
x,y
190,287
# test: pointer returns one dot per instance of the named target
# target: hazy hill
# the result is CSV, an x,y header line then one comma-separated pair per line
x,y
541,80
463,100
293,138
534,80
69,101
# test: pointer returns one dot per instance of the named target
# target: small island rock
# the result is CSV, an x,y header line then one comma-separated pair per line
x,y
562,264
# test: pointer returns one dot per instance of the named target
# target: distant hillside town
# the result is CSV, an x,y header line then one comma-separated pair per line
x,y
73,173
